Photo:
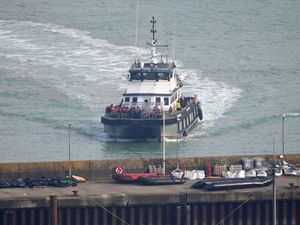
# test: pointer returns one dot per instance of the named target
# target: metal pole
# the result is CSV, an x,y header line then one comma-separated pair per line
x,y
136,24
283,116
164,142
177,147
273,149
274,195
70,172
299,180
53,210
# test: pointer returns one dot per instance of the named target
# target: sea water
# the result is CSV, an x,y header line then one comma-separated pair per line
x,y
63,62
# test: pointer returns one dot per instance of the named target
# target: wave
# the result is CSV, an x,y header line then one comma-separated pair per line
x,y
247,125
84,127
216,98
87,68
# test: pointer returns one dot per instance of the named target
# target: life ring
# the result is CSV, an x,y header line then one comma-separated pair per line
x,y
118,170
146,114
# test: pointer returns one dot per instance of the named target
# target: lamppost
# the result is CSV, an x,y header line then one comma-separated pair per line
x,y
177,145
274,194
70,172
285,115
164,142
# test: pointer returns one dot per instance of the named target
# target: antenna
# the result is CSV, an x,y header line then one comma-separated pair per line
x,y
154,42
136,25
173,47
153,31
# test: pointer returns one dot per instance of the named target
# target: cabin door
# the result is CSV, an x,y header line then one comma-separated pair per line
x,y
147,103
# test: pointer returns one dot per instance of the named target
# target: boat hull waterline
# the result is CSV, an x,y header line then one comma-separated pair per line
x,y
152,128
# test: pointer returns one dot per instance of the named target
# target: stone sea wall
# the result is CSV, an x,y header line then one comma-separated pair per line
x,y
102,169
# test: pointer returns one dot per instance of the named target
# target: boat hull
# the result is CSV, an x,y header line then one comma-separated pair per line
x,y
131,177
233,183
160,180
152,128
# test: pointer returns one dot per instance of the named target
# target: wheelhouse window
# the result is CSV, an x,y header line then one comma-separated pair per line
x,y
166,76
127,99
134,99
149,76
166,101
135,76
146,75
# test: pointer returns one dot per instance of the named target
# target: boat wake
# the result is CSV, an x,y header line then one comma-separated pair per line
x,y
70,60
76,64
216,97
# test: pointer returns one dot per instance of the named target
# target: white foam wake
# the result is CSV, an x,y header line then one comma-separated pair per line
x,y
88,68
69,59
216,97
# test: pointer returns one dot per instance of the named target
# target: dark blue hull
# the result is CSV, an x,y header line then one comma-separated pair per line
x,y
126,127
233,183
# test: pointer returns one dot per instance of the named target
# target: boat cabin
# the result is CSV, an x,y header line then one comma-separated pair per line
x,y
151,71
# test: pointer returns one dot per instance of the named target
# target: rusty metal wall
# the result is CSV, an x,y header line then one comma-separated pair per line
x,y
251,213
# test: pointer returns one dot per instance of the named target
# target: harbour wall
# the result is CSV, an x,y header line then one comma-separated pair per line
x,y
181,207
213,213
102,169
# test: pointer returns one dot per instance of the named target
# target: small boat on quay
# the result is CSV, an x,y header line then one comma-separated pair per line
x,y
160,180
121,177
153,106
232,183
130,177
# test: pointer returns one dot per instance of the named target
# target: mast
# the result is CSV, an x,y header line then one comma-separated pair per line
x,y
154,43
136,26
153,31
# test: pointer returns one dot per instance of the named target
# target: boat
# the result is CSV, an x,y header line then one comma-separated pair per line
x,y
121,177
153,98
62,182
160,180
232,183
78,179
131,177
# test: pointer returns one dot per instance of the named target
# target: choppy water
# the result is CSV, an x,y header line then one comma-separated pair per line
x,y
63,62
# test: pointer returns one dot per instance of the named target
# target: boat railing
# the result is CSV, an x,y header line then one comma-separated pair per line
x,y
145,110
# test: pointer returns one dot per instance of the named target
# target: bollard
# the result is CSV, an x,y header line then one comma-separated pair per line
x,y
53,210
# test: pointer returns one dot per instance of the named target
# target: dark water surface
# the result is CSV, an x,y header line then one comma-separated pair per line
x,y
62,62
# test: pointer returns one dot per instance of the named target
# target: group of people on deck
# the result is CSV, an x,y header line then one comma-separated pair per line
x,y
136,112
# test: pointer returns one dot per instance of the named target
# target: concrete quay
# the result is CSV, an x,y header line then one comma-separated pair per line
x,y
109,202
112,193
102,201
